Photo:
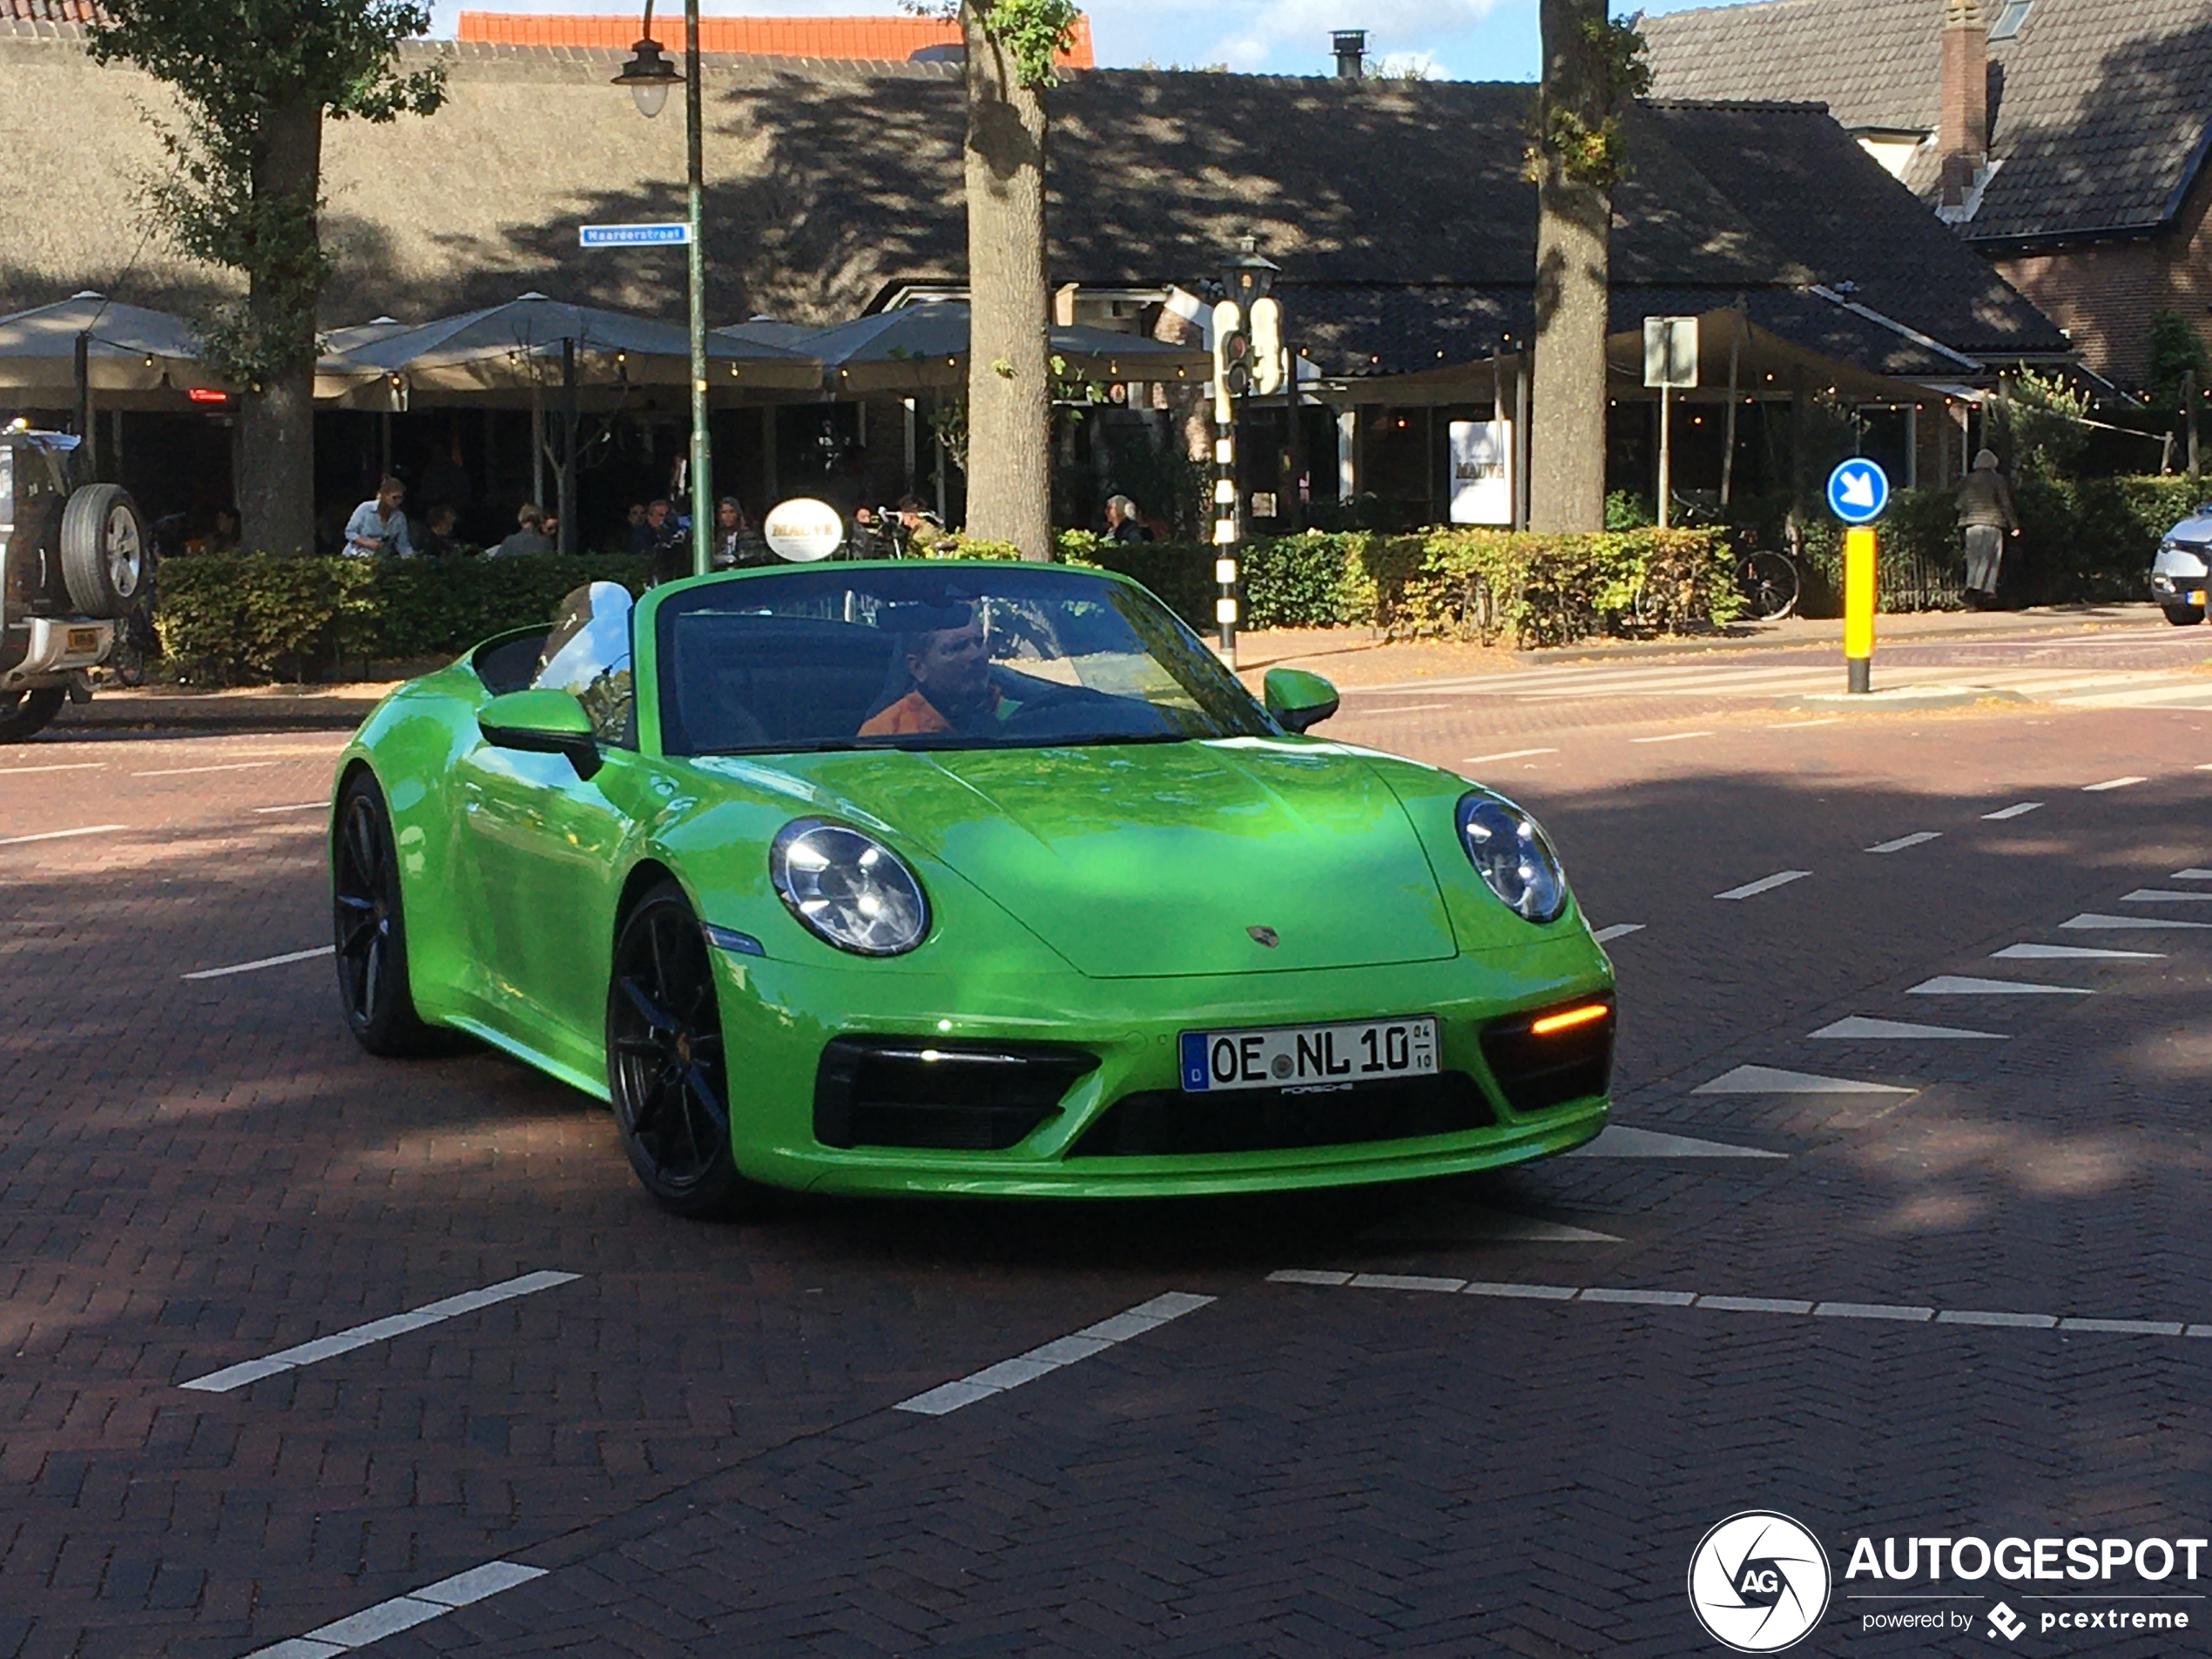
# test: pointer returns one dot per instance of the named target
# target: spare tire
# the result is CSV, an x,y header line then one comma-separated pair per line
x,y
103,550
24,714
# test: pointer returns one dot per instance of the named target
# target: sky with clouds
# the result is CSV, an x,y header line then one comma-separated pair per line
x,y
1479,40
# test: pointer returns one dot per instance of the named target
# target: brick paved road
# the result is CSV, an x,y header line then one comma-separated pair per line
x,y
695,1438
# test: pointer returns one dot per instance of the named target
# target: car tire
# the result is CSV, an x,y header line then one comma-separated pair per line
x,y
103,550
25,714
666,1073
2184,616
369,929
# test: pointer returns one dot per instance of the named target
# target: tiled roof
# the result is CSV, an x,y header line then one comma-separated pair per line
x,y
887,38
49,11
2100,108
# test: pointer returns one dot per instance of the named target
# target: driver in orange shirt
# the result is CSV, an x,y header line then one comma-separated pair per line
x,y
951,671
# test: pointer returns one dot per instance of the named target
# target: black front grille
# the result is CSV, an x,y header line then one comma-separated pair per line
x,y
907,1091
1536,1071
1167,1122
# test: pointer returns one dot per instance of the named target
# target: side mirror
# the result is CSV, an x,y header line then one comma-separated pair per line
x,y
542,722
1299,699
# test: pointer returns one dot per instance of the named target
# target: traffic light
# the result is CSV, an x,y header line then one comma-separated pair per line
x,y
1232,351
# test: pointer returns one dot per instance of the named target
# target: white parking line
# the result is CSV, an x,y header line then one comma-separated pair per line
x,y
1619,1140
2161,896
1027,1368
1859,1028
1962,985
1919,838
1901,1312
2112,783
360,1336
302,806
2190,876
1672,737
1764,883
2019,810
2092,920
1799,725
186,772
1510,754
1772,1080
403,1612
265,961
1618,930
2073,952
71,766
60,835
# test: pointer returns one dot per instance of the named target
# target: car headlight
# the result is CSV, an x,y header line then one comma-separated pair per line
x,y
1509,853
848,889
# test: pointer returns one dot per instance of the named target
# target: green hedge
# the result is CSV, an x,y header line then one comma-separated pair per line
x,y
229,618
225,618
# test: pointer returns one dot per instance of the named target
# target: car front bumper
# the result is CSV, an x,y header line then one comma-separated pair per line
x,y
779,1017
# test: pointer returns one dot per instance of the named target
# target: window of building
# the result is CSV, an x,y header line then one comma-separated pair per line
x,y
2010,19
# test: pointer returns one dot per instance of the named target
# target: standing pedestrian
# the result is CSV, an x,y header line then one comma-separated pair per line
x,y
380,526
1987,516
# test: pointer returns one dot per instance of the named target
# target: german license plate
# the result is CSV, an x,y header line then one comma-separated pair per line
x,y
1309,1057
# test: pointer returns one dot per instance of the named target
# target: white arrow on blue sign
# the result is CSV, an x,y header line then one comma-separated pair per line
x,y
673,234
1857,492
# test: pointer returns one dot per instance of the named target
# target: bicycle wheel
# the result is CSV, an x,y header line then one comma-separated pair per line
x,y
1770,584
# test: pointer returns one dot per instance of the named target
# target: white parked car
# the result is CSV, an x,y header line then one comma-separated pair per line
x,y
73,563
2182,570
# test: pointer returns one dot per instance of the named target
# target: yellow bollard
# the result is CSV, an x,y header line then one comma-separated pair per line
x,y
1858,607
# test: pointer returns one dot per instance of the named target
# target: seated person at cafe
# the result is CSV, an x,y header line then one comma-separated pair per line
x,y
951,672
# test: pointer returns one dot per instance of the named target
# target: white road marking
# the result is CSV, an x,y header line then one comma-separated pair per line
x,y
360,1336
266,961
302,806
1454,1224
229,766
1414,708
1764,883
403,1612
2090,919
1799,725
1618,930
1619,1140
2073,952
1772,1080
1962,985
1510,754
1919,838
2161,896
2020,810
71,765
1672,737
2111,783
1604,1296
1859,1028
2190,876
60,835
1027,1368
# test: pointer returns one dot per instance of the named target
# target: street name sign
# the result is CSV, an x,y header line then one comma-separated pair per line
x,y
1858,490
673,234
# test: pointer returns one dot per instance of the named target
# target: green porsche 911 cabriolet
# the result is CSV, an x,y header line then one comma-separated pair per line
x,y
954,877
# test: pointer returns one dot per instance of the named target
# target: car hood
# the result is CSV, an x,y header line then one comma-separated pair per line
x,y
1149,859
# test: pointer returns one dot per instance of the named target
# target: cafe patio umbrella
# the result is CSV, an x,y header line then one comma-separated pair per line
x,y
133,357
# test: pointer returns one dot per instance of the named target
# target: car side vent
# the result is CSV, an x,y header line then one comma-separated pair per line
x,y
1550,1057
907,1091
1167,1122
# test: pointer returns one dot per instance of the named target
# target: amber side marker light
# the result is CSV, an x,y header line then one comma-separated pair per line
x,y
1568,1018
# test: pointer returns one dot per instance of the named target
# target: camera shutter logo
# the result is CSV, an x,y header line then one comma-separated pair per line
x,y
1758,1583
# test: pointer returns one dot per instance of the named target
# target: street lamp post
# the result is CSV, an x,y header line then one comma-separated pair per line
x,y
649,75
1245,311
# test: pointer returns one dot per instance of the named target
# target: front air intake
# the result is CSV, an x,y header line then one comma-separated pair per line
x,y
904,1091
1550,1057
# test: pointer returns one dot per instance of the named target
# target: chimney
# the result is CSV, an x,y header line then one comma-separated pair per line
x,y
1962,106
1351,51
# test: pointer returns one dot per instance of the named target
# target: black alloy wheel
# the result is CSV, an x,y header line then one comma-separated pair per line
x,y
666,1073
369,928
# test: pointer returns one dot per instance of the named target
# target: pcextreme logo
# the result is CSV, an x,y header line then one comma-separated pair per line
x,y
1758,1582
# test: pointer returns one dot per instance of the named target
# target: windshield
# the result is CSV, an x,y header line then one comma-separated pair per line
x,y
935,657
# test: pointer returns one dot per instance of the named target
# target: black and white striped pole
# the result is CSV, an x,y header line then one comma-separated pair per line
x,y
1246,279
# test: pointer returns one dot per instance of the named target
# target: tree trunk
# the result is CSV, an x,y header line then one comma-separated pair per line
x,y
1574,235
277,448
1009,391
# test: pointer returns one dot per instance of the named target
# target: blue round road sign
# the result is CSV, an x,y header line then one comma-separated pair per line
x,y
1857,492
